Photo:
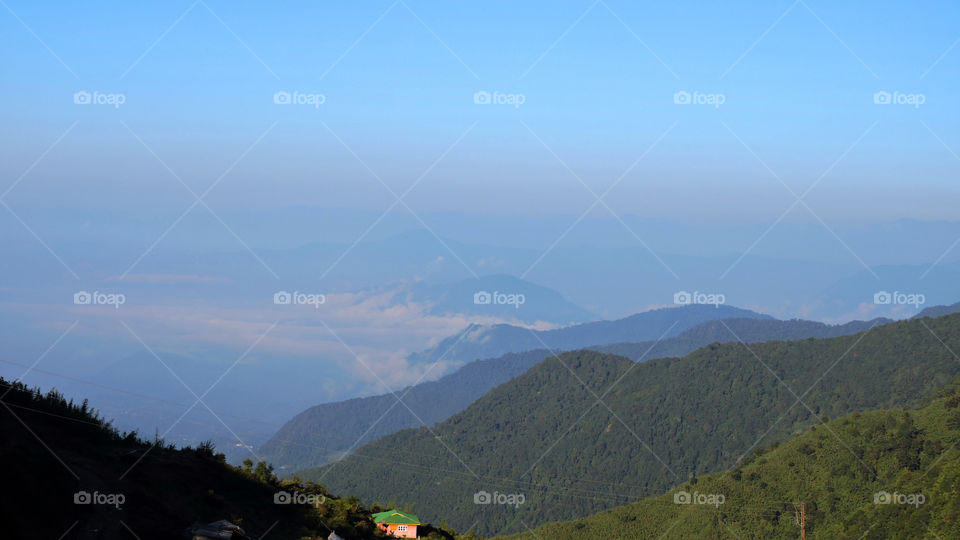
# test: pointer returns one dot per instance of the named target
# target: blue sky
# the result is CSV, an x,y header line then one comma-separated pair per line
x,y
102,197
398,80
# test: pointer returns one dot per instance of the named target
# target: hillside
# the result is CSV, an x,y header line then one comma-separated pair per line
x,y
325,433
60,453
543,434
857,477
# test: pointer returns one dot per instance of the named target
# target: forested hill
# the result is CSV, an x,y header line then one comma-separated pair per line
x,y
876,475
70,476
545,435
326,432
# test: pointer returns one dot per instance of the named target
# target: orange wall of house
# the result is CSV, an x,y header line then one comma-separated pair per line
x,y
411,531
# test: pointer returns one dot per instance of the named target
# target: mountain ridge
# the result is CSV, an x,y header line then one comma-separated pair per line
x,y
293,447
666,418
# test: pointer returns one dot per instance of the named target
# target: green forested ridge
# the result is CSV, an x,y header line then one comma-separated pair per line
x,y
325,433
544,435
55,449
840,470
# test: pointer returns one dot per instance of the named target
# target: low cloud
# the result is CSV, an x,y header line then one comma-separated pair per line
x,y
371,334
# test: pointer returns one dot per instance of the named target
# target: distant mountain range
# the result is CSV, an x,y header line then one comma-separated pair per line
x,y
589,431
939,311
478,341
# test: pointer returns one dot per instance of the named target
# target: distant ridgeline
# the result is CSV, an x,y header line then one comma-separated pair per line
x,y
325,433
70,475
545,435
880,474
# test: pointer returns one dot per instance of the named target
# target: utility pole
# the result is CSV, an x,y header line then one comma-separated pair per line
x,y
803,521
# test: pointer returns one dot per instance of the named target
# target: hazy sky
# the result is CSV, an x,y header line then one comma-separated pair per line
x,y
299,124
597,82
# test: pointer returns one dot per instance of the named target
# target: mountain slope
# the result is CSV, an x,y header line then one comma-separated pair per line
x,y
73,477
544,434
840,471
325,433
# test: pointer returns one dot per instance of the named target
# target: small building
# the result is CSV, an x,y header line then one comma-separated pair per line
x,y
397,523
218,530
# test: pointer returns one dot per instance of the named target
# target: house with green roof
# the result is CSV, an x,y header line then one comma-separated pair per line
x,y
397,523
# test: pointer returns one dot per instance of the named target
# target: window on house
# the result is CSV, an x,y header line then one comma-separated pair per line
x,y
402,528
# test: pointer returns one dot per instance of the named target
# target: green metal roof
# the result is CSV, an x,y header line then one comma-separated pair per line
x,y
396,516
